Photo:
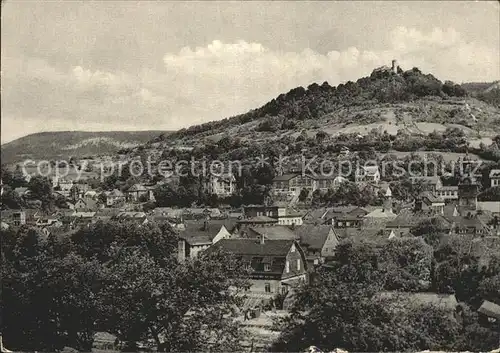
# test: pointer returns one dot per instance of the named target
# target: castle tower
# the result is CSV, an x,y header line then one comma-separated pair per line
x,y
394,66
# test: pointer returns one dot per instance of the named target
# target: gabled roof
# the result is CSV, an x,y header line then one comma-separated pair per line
x,y
313,236
258,219
271,254
433,180
473,222
107,212
366,234
137,187
130,215
431,197
371,169
495,173
450,211
285,177
89,203
317,214
273,232
381,213
223,177
449,188
242,246
408,218
198,233
115,193
21,190
490,309
169,212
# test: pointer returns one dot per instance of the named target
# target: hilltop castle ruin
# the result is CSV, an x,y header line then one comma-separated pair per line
x,y
384,69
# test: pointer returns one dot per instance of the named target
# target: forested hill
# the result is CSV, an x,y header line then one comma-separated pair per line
x,y
325,106
318,100
66,144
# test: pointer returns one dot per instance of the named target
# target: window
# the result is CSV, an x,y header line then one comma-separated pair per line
x,y
267,267
284,290
298,264
287,266
267,287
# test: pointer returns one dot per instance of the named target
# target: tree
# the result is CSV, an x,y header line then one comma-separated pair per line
x,y
454,90
165,196
458,269
304,193
11,199
342,309
13,179
180,307
123,278
40,277
321,136
41,189
430,229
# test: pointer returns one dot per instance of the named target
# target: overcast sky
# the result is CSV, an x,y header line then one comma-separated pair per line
x,y
147,65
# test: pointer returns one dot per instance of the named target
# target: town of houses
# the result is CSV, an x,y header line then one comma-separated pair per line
x,y
313,231
282,241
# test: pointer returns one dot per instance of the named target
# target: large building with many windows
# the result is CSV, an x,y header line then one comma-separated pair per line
x,y
223,185
294,183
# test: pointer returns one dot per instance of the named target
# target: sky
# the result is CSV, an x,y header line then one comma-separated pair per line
x,y
127,65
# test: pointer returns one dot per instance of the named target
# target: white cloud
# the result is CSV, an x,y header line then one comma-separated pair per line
x,y
221,79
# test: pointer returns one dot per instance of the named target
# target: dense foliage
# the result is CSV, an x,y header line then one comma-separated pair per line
x,y
116,277
343,307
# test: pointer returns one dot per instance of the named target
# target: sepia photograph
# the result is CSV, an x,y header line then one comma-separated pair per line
x,y
250,176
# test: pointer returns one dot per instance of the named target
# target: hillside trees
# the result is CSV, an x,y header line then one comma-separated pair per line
x,y
453,89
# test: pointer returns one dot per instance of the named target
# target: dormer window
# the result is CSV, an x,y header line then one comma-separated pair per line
x,y
267,267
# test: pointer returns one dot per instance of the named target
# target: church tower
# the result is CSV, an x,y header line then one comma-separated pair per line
x,y
468,189
388,200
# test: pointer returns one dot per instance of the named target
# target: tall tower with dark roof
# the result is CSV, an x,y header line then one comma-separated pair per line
x,y
468,189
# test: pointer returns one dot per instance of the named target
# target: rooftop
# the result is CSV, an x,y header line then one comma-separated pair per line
x,y
242,246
